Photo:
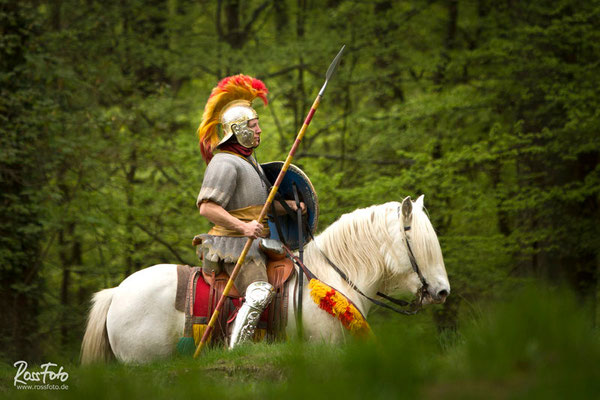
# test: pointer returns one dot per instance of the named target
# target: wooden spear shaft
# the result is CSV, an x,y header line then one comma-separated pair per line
x,y
263,212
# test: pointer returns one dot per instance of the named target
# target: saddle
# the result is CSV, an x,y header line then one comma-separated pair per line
x,y
198,293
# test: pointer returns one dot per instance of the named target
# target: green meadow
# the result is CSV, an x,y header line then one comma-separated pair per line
x,y
539,343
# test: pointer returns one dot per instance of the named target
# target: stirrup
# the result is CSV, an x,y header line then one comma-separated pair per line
x,y
258,297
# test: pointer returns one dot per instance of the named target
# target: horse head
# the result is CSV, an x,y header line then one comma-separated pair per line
x,y
374,247
415,260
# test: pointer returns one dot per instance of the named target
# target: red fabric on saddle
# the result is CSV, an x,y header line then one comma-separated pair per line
x,y
201,298
201,301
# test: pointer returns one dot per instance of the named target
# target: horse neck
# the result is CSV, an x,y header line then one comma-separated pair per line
x,y
353,244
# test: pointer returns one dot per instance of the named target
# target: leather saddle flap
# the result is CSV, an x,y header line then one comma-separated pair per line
x,y
222,278
279,271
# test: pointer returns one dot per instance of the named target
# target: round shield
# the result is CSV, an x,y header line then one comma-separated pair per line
x,y
287,231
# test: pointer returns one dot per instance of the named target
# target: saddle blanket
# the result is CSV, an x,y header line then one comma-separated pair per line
x,y
198,294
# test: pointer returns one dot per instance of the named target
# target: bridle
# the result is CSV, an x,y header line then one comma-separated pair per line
x,y
413,262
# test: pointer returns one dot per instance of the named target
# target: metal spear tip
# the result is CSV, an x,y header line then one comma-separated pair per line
x,y
334,63
331,69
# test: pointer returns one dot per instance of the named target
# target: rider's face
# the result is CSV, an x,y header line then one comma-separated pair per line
x,y
253,125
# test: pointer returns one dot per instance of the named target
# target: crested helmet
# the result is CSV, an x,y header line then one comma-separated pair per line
x,y
230,106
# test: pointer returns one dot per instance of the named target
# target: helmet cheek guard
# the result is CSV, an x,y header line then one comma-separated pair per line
x,y
244,135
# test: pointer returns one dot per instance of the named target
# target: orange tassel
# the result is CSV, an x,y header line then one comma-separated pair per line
x,y
336,304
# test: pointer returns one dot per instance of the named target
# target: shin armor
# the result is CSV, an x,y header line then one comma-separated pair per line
x,y
258,297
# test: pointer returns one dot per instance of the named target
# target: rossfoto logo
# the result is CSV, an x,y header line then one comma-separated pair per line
x,y
48,378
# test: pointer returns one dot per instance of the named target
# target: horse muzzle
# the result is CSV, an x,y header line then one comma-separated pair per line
x,y
435,296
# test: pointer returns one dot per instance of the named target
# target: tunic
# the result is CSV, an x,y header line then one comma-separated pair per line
x,y
232,182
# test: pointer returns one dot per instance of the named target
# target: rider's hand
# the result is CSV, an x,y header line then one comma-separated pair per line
x,y
292,205
253,229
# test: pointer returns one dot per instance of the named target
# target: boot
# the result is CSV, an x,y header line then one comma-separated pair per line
x,y
258,297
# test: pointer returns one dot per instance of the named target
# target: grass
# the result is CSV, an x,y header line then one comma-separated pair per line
x,y
539,344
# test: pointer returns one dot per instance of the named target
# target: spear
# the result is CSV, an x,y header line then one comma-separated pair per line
x,y
263,213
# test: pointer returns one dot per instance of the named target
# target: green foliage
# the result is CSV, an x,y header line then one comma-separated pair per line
x,y
22,140
538,344
488,108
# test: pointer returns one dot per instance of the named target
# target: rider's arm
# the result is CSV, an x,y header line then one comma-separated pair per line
x,y
219,216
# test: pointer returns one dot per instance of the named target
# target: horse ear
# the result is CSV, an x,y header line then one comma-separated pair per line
x,y
419,201
407,208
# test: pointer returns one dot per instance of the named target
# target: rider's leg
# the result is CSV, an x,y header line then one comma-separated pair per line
x,y
258,297
252,283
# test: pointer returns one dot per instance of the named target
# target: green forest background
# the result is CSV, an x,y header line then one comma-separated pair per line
x,y
489,108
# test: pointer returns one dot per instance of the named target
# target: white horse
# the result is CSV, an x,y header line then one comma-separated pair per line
x,y
137,321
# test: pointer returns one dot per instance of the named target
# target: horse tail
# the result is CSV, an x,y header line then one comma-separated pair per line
x,y
95,346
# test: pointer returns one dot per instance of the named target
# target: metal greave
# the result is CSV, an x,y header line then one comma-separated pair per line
x,y
258,297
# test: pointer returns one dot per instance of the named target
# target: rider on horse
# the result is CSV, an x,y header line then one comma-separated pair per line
x,y
233,194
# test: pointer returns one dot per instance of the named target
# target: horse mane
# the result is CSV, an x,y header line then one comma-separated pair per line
x,y
362,244
354,243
